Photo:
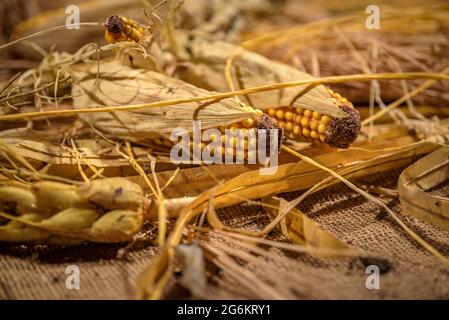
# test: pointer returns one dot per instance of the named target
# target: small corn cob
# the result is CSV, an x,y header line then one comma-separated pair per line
x,y
244,136
308,125
296,123
119,28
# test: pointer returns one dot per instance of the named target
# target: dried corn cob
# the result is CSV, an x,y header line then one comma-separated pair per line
x,y
304,124
109,210
239,140
119,28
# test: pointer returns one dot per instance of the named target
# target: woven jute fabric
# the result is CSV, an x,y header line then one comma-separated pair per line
x,y
38,272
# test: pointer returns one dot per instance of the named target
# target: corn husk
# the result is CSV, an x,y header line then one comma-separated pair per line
x,y
415,189
207,70
45,151
143,86
302,230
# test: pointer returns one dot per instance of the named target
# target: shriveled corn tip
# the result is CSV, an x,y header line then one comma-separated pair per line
x,y
114,24
268,123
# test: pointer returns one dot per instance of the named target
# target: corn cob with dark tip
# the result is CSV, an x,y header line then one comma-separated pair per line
x,y
119,28
308,125
244,136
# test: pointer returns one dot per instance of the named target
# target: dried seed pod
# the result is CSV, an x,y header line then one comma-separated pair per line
x,y
108,210
72,219
117,226
52,196
113,193
17,200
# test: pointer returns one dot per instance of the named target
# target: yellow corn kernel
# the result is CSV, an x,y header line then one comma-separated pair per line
x,y
305,122
325,119
288,116
313,124
280,114
297,130
248,123
321,128
305,132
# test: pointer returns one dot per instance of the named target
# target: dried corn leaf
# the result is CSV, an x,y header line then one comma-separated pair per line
x,y
121,85
44,150
299,228
415,185
207,70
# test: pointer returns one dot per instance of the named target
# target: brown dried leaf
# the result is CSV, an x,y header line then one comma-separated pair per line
x,y
299,228
121,85
415,183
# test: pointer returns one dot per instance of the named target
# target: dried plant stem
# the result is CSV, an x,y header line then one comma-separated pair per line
x,y
219,96
401,100
228,74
